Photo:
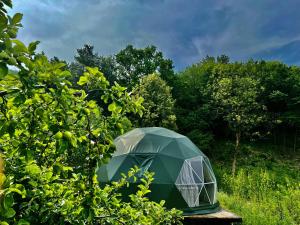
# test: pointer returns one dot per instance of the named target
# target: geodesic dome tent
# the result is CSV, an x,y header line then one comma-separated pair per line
x,y
183,175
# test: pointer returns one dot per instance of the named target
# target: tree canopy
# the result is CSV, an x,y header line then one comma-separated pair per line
x,y
158,103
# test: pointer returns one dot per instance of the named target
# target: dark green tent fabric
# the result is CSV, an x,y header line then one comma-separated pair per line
x,y
183,175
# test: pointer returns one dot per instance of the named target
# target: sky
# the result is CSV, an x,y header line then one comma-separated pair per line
x,y
184,30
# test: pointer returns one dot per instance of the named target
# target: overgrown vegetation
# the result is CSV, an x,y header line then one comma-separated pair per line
x,y
266,188
52,137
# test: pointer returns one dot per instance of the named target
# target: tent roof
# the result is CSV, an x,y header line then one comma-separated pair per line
x,y
160,140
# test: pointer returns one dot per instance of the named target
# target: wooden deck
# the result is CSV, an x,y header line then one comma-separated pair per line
x,y
222,217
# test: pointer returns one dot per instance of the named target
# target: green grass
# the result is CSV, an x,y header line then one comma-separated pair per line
x,y
266,188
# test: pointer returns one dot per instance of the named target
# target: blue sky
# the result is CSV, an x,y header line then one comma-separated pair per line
x,y
184,30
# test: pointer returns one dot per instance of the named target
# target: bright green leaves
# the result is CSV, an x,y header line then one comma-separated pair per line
x,y
93,79
58,135
83,80
114,108
23,222
52,137
3,22
7,200
70,138
17,18
32,47
19,46
3,70
155,96
33,169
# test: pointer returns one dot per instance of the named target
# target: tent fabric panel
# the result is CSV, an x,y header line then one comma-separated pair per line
x,y
161,132
175,200
151,144
187,149
172,166
161,191
102,174
127,164
208,174
107,171
125,144
162,173
173,150
211,192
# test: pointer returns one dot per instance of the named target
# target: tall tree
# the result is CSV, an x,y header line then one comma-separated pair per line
x,y
235,95
158,103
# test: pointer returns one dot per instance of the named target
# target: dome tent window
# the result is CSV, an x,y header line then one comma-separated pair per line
x,y
183,176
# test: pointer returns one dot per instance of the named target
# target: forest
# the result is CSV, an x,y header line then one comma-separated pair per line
x,y
58,121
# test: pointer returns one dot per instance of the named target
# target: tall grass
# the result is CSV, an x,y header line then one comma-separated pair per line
x,y
258,198
264,191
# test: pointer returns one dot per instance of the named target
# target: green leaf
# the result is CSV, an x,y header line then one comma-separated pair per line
x,y
4,55
9,213
19,46
112,107
17,188
3,22
32,46
23,222
17,18
8,201
3,223
3,70
82,80
33,169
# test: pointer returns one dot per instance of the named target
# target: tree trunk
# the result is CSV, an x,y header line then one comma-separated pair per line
x,y
284,140
236,150
295,139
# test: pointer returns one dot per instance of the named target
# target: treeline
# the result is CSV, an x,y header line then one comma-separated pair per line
x,y
209,100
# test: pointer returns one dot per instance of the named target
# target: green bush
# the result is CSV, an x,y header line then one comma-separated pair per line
x,y
52,138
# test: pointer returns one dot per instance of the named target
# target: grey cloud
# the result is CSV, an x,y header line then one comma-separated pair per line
x,y
185,30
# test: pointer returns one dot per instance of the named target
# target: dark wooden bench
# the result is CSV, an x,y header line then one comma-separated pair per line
x,y
222,217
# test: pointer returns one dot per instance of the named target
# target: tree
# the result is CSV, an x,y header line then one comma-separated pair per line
x,y
106,64
194,112
158,103
141,62
52,138
236,97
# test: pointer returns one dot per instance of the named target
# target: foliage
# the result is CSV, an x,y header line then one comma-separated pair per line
x,y
236,97
126,67
195,115
158,103
142,62
52,138
262,198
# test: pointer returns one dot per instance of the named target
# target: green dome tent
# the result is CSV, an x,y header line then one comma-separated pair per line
x,y
183,175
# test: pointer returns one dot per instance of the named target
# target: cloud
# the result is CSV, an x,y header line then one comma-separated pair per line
x,y
185,30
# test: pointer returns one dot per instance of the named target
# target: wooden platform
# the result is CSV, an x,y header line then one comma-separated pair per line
x,y
222,217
